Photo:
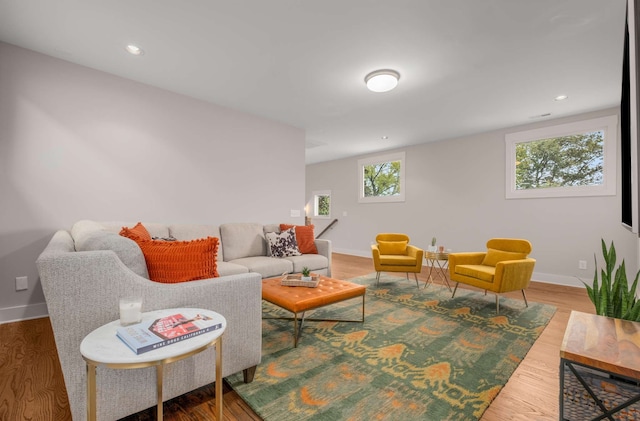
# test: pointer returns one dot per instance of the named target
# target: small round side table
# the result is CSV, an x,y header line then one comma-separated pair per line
x,y
439,261
103,347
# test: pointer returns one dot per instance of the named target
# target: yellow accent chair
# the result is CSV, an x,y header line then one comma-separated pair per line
x,y
502,268
393,253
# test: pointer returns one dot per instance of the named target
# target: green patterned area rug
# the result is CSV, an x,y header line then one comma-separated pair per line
x,y
420,355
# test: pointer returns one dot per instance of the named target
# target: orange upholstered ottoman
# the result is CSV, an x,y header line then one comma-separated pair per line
x,y
300,299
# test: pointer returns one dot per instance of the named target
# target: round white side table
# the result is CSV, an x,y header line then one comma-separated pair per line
x,y
103,347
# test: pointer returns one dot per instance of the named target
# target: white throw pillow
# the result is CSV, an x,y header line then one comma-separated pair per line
x,y
283,244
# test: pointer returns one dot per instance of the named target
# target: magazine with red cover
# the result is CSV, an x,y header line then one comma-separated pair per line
x,y
157,333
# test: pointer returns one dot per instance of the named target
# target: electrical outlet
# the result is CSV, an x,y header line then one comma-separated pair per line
x,y
582,264
22,283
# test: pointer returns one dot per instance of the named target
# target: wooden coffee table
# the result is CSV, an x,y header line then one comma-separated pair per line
x,y
302,299
599,368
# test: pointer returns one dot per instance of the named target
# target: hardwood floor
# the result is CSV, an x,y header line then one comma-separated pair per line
x,y
32,387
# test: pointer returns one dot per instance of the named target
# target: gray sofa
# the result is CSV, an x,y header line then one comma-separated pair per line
x,y
86,270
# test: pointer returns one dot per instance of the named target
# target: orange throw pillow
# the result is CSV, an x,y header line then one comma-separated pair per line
x,y
180,261
304,236
137,233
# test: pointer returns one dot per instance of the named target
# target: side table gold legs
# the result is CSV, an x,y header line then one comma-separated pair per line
x,y
91,380
91,392
159,373
440,270
219,379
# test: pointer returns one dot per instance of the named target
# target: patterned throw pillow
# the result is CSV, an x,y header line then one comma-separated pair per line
x,y
283,244
304,236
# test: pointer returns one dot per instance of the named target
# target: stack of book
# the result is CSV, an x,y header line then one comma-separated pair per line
x,y
154,334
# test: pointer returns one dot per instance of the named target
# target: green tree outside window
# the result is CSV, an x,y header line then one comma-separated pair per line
x,y
575,160
382,179
324,205
572,159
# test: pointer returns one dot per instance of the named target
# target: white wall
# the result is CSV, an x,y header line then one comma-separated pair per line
x,y
455,191
76,143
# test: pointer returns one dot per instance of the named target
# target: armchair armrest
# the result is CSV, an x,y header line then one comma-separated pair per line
x,y
416,252
513,275
324,249
375,250
323,246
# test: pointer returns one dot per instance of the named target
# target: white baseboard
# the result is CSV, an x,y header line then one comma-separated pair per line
x,y
31,311
358,253
548,278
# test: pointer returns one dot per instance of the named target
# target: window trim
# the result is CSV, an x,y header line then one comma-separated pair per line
x,y
379,159
315,195
608,124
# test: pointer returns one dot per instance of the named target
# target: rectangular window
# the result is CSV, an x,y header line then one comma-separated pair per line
x,y
574,159
382,178
322,204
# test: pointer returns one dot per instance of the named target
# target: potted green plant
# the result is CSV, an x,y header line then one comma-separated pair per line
x,y
433,247
306,274
612,296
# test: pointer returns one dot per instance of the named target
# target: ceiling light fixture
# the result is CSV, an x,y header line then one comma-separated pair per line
x,y
382,80
560,97
134,49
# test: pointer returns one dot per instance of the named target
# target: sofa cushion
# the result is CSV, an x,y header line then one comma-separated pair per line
x,y
304,236
266,266
283,244
482,272
393,247
493,256
155,229
187,232
228,268
84,227
397,260
127,250
242,240
312,261
270,228
180,261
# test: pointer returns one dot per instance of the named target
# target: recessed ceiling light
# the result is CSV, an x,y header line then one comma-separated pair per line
x,y
560,97
382,80
134,49
385,137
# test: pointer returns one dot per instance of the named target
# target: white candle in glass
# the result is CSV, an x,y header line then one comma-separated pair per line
x,y
130,310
